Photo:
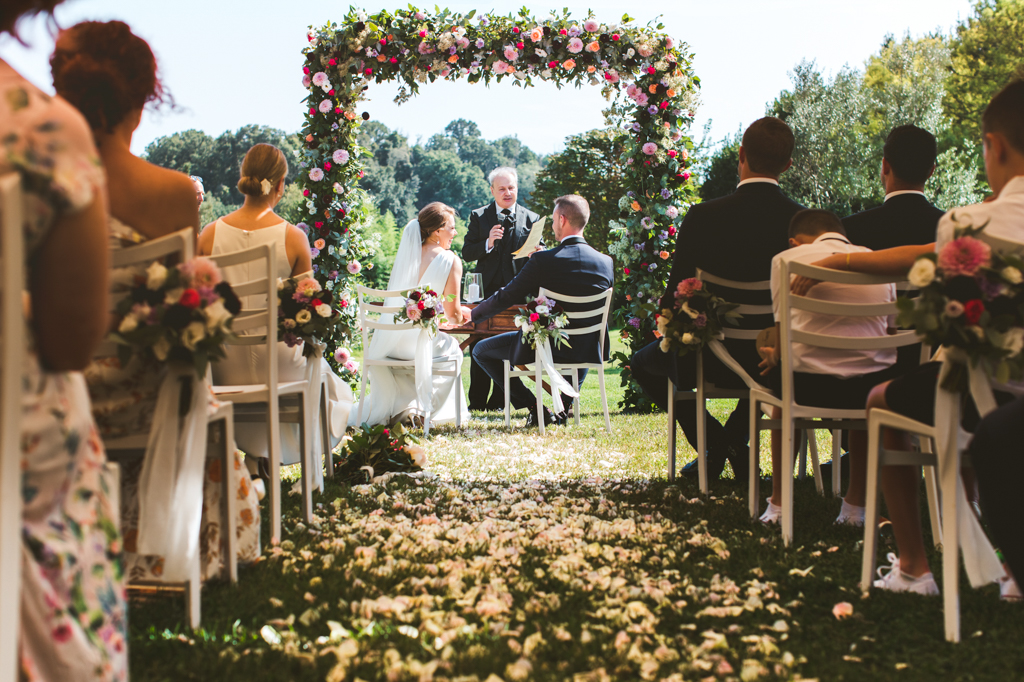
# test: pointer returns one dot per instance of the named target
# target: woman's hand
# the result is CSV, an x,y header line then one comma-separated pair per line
x,y
770,358
801,284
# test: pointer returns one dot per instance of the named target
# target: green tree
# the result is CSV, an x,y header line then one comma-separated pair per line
x,y
721,169
444,177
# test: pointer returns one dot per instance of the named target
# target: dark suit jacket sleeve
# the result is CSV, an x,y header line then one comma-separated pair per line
x,y
683,265
475,245
526,283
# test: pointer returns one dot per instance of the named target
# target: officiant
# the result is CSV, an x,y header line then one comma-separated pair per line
x,y
495,232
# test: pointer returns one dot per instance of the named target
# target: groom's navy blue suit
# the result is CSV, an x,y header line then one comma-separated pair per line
x,y
573,268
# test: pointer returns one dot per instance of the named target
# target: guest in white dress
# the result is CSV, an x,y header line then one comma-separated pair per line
x,y
255,223
109,74
424,258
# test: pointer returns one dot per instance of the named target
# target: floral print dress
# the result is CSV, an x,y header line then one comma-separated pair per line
x,y
73,615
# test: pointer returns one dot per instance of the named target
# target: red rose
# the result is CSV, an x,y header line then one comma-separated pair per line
x,y
312,111
327,165
519,46
615,36
420,305
330,92
332,62
386,432
337,110
190,298
383,41
563,32
671,153
306,192
664,105
394,60
369,71
318,225
973,310
515,29
316,302
651,70
625,271
671,231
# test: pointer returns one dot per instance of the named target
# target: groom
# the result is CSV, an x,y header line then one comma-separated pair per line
x,y
572,268
495,231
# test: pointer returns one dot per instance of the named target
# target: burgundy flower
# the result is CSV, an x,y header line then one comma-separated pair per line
x,y
973,310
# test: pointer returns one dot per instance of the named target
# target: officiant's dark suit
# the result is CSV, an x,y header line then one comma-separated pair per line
x,y
734,237
496,265
573,268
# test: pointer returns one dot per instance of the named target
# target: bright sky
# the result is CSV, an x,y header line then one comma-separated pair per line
x,y
229,64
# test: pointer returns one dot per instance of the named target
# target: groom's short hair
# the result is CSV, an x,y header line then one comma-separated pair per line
x,y
1005,115
575,209
910,152
768,145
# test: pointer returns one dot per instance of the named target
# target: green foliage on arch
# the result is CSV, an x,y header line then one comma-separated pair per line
x,y
416,47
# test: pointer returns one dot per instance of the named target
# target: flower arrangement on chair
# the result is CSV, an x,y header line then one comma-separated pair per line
x,y
971,303
305,314
424,307
178,314
543,318
374,451
698,317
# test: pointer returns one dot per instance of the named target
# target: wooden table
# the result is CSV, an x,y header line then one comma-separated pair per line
x,y
499,324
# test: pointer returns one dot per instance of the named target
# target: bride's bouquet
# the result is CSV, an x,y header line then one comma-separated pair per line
x,y
542,319
178,314
424,307
304,312
698,318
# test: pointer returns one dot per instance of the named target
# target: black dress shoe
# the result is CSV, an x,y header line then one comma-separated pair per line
x,y
473,407
549,418
496,405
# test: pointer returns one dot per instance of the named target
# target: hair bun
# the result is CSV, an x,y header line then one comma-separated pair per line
x,y
250,186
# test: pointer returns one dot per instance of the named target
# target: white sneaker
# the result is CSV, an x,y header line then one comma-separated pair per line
x,y
897,581
1009,590
850,515
773,514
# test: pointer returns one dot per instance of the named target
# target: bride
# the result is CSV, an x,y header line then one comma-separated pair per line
x,y
424,259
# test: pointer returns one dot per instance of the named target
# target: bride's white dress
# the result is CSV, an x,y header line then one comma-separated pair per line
x,y
389,394
247,364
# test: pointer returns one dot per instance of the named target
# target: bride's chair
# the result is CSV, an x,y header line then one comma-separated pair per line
x,y
12,343
369,318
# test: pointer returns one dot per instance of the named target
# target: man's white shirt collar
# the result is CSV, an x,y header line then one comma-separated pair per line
x,y
890,195
771,181
831,235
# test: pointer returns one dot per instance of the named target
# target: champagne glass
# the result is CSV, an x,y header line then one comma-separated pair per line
x,y
474,287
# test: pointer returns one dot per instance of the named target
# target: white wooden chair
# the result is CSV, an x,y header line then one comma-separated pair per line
x,y
263,403
369,318
12,347
796,416
600,307
179,246
747,329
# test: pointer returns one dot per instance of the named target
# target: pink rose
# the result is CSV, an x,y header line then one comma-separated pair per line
x,y
687,287
575,45
650,149
611,77
590,26
569,64
511,53
412,311
500,67
354,267
342,355
964,256
537,34
319,244
340,156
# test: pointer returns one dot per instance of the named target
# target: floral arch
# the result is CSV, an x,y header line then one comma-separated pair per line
x,y
417,47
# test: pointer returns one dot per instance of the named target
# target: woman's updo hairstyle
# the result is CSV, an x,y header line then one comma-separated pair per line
x,y
433,217
262,162
105,71
13,10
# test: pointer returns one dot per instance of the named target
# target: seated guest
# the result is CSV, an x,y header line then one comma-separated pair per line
x,y
826,377
914,394
110,75
262,182
572,268
906,217
733,237
72,612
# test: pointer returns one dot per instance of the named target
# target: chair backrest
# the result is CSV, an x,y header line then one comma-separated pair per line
x,y
12,343
751,324
587,307
788,336
370,311
1000,244
255,318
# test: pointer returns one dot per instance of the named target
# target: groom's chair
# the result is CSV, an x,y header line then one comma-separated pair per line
x,y
370,315
590,307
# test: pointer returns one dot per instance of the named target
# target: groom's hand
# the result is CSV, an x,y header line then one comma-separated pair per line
x,y
467,315
497,232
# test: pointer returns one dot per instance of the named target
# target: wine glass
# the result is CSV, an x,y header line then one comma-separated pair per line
x,y
474,287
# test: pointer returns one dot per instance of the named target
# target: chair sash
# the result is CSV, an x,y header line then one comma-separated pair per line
x,y
980,560
424,371
171,483
555,380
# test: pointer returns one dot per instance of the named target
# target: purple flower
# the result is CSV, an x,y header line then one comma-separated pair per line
x,y
700,321
666,193
634,322
574,31
646,222
636,127
316,268
304,227
333,274
290,339
452,50
638,247
663,235
314,252
652,109
652,267
480,41
631,194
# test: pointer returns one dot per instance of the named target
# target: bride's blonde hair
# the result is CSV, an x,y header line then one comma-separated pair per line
x,y
433,217
261,162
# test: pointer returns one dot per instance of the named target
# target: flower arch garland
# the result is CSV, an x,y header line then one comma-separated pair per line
x,y
415,47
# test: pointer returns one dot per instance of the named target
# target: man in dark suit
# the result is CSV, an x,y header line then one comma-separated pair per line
x,y
906,217
573,268
495,232
734,237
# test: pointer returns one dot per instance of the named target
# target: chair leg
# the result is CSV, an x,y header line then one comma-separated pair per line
x,y
193,594
812,446
931,489
539,388
325,432
951,551
458,393
229,510
671,431
306,465
837,470
787,478
702,442
508,408
604,399
801,464
274,446
753,484
871,508
362,396
576,399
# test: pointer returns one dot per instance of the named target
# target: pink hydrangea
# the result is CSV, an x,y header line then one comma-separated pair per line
x,y
650,149
511,53
688,287
575,45
201,272
500,67
319,79
316,175
964,256
591,25
354,268
340,156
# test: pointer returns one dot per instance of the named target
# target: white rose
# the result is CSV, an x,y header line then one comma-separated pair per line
x,y
543,309
129,323
173,296
1012,275
193,334
161,348
156,275
665,345
1013,341
922,273
687,338
417,453
303,316
323,310
216,315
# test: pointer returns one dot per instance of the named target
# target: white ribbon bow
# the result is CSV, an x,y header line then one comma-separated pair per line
x,y
171,483
555,380
424,371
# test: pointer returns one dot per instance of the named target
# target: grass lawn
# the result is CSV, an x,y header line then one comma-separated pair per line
x,y
568,557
